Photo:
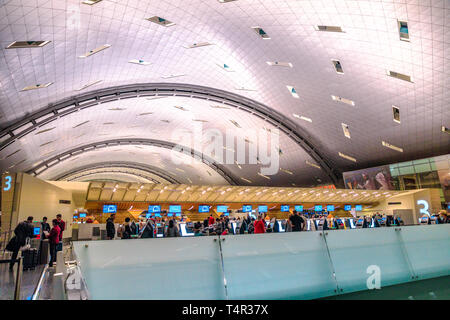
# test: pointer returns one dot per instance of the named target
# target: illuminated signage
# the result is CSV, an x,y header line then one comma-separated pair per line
x,y
425,208
108,208
317,208
262,209
358,207
330,208
247,208
175,209
222,209
347,207
284,208
154,209
299,208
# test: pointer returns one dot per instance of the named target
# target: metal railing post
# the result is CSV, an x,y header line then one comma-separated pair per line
x,y
18,280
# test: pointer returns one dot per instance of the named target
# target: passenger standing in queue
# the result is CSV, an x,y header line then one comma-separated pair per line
x,y
172,230
126,229
149,230
22,231
45,227
54,238
62,226
296,221
110,228
205,223
211,220
260,225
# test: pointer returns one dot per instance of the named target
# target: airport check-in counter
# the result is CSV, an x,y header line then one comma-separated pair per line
x,y
91,231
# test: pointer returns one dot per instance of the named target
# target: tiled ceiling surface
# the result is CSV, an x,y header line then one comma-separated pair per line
x,y
369,46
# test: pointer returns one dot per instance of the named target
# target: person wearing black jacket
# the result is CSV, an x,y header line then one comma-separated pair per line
x,y
23,231
148,231
110,228
45,227
127,232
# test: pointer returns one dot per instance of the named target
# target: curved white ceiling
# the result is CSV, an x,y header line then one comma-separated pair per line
x,y
369,47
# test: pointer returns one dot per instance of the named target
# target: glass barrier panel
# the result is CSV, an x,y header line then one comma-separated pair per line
x,y
428,248
169,268
292,265
357,254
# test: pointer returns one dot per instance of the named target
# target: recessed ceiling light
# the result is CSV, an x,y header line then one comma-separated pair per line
x,y
398,75
286,171
243,88
261,33
140,62
279,64
88,85
346,130
117,109
90,53
45,130
235,123
200,120
145,113
181,108
264,176
343,100
198,45
301,117
329,28
337,66
391,146
246,180
37,86
225,67
161,21
219,107
27,44
347,157
293,92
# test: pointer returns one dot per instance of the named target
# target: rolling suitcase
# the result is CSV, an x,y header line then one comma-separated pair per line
x,y
30,259
44,252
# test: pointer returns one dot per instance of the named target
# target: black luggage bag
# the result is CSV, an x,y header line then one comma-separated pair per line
x,y
30,259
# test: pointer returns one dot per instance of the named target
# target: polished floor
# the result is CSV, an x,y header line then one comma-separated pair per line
x,y
30,279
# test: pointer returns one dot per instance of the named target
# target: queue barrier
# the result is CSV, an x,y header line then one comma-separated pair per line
x,y
295,265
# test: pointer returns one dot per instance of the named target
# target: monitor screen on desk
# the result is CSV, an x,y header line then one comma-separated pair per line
x,y
82,215
36,231
109,208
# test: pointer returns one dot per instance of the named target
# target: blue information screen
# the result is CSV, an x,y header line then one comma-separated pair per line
x,y
148,215
82,215
175,209
330,207
347,207
222,208
170,214
36,231
358,207
154,209
299,208
317,208
262,209
284,208
75,217
109,208
247,208
203,208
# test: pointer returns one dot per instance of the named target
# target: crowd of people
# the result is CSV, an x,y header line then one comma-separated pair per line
x,y
24,232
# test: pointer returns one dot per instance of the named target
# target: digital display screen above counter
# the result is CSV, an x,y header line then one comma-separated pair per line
x,y
154,209
108,208
247,208
317,208
222,209
330,208
175,209
203,209
284,208
347,207
358,207
262,209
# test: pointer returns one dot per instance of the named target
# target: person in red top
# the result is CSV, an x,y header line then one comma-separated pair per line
x,y
62,226
260,226
211,220
54,237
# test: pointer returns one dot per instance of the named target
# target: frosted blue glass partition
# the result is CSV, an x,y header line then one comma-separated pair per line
x,y
277,266
170,268
428,249
294,265
354,251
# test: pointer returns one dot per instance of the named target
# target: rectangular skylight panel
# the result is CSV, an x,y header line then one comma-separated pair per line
x,y
91,2
89,84
293,92
302,117
343,100
396,114
329,28
337,66
346,130
279,64
391,146
261,33
399,75
347,157
37,86
139,62
90,53
198,45
27,44
161,21
403,30
225,67
173,76
312,164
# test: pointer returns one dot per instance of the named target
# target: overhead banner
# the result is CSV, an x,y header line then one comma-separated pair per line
x,y
378,178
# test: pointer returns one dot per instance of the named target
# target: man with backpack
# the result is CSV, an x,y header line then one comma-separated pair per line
x,y
23,231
